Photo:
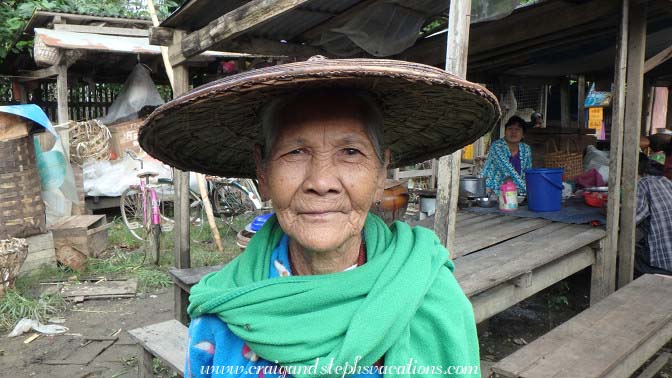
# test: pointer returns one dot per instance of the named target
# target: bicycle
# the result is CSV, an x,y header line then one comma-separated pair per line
x,y
147,212
236,201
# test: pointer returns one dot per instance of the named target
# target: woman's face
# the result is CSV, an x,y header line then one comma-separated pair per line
x,y
322,174
513,133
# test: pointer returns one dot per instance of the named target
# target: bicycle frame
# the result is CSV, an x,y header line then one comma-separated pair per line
x,y
153,207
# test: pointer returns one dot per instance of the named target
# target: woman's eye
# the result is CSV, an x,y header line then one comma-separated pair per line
x,y
351,151
298,151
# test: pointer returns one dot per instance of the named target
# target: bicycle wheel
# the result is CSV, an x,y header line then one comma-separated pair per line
x,y
167,211
234,206
135,212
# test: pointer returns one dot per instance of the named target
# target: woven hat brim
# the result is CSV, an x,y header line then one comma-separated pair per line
x,y
427,113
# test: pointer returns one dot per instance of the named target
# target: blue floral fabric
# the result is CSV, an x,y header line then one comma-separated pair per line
x,y
214,351
498,166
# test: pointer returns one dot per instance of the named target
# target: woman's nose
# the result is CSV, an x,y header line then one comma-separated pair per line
x,y
322,177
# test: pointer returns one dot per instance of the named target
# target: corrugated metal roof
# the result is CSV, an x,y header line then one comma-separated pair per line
x,y
302,19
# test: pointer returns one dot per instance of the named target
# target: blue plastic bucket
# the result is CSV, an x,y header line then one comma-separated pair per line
x,y
544,189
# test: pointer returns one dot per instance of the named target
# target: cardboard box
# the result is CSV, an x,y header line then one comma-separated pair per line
x,y
125,137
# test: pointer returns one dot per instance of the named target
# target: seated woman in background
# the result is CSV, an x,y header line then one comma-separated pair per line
x,y
508,157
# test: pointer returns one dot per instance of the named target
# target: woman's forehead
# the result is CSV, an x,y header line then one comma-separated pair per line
x,y
332,130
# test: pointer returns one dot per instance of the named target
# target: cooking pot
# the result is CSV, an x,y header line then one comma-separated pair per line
x,y
472,186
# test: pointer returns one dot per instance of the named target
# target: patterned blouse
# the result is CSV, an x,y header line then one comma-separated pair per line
x,y
498,166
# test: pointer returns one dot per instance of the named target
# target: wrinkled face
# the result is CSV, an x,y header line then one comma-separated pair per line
x,y
513,133
322,173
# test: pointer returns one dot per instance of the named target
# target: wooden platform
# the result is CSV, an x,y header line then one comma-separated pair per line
x,y
167,341
611,339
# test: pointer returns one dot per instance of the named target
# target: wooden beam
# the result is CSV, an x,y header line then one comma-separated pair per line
x,y
230,25
89,18
457,48
39,74
604,271
107,30
267,47
315,33
159,36
658,59
631,132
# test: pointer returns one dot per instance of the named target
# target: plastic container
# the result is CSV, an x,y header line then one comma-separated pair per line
x,y
508,197
544,189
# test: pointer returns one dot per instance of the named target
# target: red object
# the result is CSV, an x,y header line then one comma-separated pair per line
x,y
595,199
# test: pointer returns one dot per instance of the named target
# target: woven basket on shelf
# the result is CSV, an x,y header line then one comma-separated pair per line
x,y
22,212
571,162
89,140
45,55
13,253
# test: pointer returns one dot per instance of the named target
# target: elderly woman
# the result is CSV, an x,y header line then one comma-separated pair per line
x,y
508,157
325,288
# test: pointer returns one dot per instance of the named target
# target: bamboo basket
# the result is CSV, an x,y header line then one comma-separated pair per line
x,y
13,253
45,55
571,162
22,211
89,140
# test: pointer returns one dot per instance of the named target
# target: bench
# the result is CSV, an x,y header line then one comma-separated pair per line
x,y
166,341
613,338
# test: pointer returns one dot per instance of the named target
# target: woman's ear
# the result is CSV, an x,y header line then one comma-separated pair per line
x,y
382,176
261,173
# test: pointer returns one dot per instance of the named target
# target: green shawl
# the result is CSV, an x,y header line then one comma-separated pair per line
x,y
404,303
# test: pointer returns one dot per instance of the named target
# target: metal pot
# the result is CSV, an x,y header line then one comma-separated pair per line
x,y
472,186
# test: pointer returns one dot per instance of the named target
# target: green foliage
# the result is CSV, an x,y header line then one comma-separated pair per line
x,y
14,306
15,13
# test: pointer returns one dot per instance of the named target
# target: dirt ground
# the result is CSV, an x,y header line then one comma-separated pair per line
x,y
93,318
499,336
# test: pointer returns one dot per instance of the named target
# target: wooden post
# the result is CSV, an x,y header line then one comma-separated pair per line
x,y
668,121
449,166
631,132
182,221
582,99
648,113
565,114
62,112
604,270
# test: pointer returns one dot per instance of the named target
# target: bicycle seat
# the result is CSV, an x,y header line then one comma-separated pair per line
x,y
147,174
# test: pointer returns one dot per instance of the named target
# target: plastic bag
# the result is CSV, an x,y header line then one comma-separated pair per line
x,y
596,99
24,325
139,91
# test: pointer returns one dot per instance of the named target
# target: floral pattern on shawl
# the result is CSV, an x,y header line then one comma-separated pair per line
x,y
497,166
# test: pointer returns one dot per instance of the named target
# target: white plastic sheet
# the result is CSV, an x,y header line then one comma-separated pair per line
x,y
139,91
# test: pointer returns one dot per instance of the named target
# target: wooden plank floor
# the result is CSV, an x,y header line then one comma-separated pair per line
x,y
492,266
611,339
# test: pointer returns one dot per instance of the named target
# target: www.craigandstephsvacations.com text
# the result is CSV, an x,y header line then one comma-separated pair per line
x,y
332,369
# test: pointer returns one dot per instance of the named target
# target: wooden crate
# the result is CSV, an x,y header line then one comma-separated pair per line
x,y
40,252
79,237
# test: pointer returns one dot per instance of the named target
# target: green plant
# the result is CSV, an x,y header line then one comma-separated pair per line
x,y
14,306
15,13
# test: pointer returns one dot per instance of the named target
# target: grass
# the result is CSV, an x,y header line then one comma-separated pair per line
x,y
14,306
124,258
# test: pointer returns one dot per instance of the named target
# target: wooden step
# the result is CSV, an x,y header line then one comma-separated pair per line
x,y
166,341
611,339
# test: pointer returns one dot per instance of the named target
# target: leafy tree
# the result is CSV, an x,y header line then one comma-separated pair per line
x,y
15,13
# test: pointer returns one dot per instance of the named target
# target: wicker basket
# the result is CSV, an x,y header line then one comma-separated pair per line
x,y
45,55
571,162
13,253
89,140
22,212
